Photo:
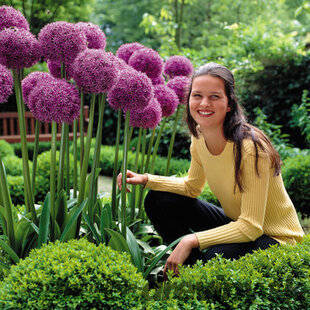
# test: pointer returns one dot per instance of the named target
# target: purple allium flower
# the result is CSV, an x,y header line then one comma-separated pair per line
x,y
54,68
148,61
95,71
6,84
167,99
133,91
62,41
158,80
149,117
30,82
95,36
10,17
126,50
178,66
180,85
55,100
18,48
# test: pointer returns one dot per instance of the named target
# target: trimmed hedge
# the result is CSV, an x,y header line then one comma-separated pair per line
x,y
5,149
276,278
16,188
73,275
14,165
296,176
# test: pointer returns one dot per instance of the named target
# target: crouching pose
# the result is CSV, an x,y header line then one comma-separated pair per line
x,y
242,169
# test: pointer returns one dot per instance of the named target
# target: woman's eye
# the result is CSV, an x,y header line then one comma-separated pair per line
x,y
197,95
215,97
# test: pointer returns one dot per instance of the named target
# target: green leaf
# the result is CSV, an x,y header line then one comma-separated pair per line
x,y
105,220
4,265
72,220
62,209
44,221
9,251
92,227
117,241
134,250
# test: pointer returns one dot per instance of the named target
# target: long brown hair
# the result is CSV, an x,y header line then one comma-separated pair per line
x,y
236,128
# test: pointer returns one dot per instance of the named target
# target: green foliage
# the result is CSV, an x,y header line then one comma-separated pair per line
x,y
208,196
5,149
301,115
296,176
277,278
73,275
14,165
16,188
42,182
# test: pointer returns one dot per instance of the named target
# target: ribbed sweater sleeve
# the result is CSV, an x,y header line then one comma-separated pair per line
x,y
191,185
249,225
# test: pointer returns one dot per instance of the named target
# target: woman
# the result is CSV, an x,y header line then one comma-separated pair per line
x,y
242,169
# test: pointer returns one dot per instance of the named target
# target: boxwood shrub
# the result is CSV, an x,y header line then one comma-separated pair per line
x,y
14,165
5,149
276,278
73,275
16,188
296,176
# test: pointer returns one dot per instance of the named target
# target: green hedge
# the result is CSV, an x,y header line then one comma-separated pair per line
x,y
73,275
277,278
16,188
296,176
14,165
5,149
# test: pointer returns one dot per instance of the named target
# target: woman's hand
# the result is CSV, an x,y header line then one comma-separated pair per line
x,y
181,253
132,178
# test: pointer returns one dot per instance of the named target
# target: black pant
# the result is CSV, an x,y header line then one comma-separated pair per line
x,y
175,215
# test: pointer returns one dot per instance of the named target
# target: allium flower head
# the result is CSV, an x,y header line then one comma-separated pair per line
x,y
126,50
95,36
148,61
180,85
6,84
10,17
18,48
133,91
178,66
149,117
31,81
158,80
55,100
62,41
94,71
167,99
54,68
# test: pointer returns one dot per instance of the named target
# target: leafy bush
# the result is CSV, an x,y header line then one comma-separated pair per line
x,y
5,149
276,278
42,182
14,165
16,188
296,176
208,196
73,275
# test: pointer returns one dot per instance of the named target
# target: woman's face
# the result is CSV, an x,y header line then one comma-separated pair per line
x,y
208,102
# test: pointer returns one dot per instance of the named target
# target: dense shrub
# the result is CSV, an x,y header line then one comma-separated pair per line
x,y
16,188
277,278
5,149
42,183
14,165
296,175
73,275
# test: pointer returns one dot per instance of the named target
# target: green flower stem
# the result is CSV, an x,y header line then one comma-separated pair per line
x,y
35,154
8,207
149,150
114,185
82,129
53,180
75,167
60,176
83,175
162,126
177,116
133,189
67,160
141,189
92,197
124,174
22,127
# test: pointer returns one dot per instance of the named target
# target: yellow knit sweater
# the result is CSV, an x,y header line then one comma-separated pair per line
x,y
263,208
